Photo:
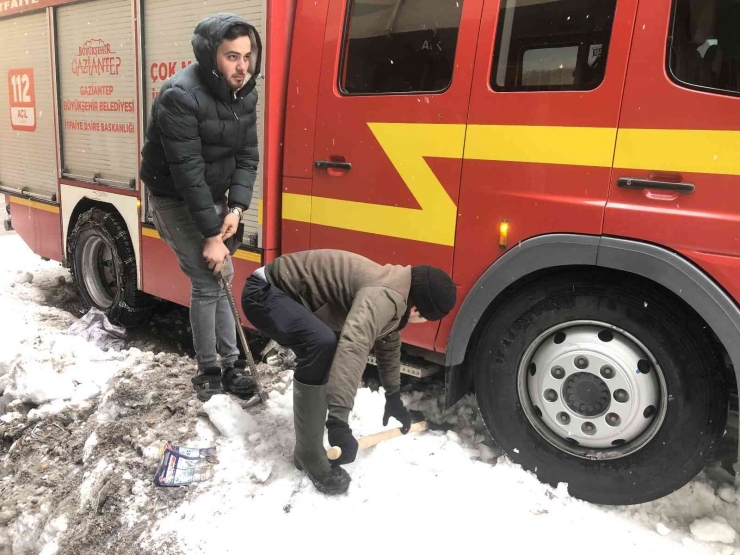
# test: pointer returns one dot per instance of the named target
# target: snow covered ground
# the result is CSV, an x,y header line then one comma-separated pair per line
x,y
81,430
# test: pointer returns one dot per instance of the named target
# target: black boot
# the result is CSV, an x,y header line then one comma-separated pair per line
x,y
309,416
236,380
208,383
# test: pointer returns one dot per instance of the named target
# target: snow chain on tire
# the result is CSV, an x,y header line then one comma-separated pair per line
x,y
130,305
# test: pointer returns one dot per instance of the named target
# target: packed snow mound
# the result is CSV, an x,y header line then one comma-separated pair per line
x,y
39,384
228,416
713,530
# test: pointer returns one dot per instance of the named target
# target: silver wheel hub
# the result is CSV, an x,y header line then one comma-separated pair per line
x,y
98,272
592,390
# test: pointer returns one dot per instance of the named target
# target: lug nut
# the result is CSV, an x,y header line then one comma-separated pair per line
x,y
588,428
621,396
563,418
558,372
607,372
551,395
581,362
613,419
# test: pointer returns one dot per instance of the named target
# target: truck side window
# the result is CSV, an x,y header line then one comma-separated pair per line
x,y
705,45
552,45
399,46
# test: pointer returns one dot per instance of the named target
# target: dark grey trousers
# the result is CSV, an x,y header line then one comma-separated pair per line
x,y
214,329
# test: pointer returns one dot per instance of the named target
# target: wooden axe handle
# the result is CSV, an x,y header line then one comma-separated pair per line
x,y
333,453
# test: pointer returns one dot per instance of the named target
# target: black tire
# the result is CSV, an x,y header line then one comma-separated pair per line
x,y
103,267
695,405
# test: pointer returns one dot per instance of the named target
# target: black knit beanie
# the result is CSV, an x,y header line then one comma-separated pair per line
x,y
433,292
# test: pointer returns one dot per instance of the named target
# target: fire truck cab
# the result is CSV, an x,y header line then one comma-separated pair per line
x,y
573,164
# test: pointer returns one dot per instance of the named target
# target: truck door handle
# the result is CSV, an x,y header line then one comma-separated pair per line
x,y
333,165
637,183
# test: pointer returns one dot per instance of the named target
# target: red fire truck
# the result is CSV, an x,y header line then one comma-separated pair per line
x,y
572,163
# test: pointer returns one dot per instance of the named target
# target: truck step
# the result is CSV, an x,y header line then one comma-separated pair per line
x,y
416,369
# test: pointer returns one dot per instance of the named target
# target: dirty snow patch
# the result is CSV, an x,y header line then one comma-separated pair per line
x,y
51,534
93,481
90,444
132,515
49,409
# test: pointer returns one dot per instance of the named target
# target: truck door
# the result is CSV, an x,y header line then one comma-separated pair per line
x,y
677,170
543,120
393,100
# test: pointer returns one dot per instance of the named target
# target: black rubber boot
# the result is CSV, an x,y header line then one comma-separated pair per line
x,y
208,383
309,416
237,381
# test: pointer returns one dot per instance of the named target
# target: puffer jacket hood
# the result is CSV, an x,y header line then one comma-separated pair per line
x,y
209,34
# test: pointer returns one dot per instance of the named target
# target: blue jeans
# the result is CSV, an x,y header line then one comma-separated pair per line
x,y
214,329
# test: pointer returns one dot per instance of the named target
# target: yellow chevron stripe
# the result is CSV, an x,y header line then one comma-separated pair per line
x,y
712,152
297,207
249,256
570,146
33,204
241,254
406,145
149,232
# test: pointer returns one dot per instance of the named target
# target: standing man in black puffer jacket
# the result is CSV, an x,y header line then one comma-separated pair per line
x,y
201,144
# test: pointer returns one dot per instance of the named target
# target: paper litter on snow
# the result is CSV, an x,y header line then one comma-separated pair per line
x,y
96,328
181,466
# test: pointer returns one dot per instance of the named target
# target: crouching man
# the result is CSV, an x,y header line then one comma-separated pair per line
x,y
301,300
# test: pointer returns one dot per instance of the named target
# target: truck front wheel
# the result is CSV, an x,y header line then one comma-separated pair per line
x,y
103,266
604,383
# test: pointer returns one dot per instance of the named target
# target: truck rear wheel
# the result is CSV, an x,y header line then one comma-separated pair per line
x,y
104,267
609,386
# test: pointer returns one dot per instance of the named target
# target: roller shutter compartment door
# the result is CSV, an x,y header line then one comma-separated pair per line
x,y
97,72
28,154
